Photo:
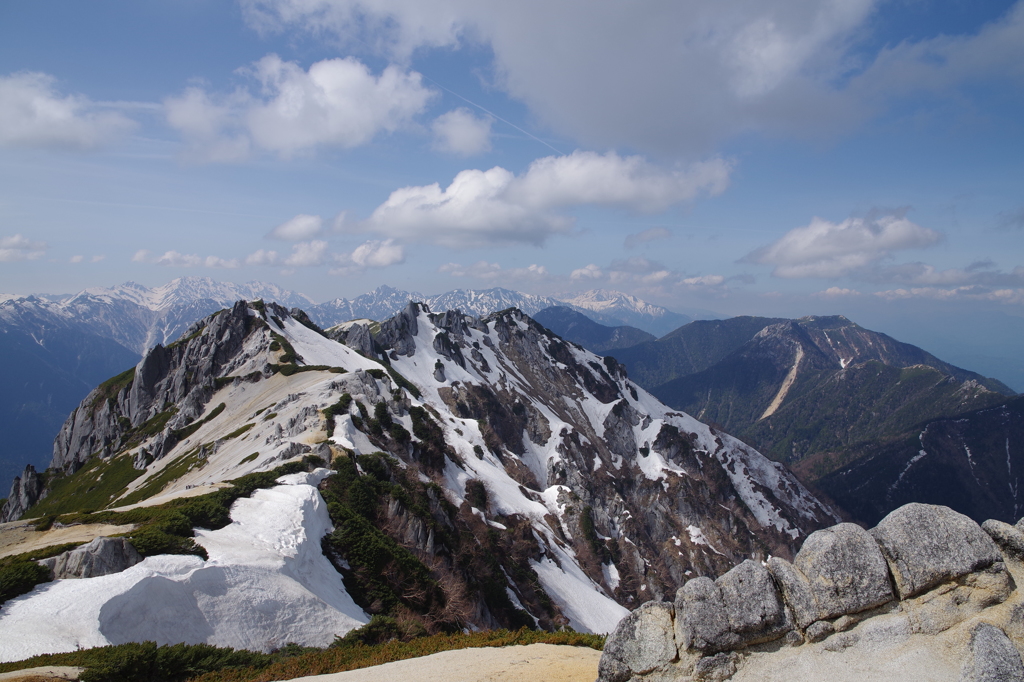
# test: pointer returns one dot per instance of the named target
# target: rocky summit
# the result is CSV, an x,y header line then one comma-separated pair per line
x,y
283,483
927,594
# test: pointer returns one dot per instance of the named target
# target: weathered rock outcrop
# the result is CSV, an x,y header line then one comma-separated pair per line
x,y
102,556
925,580
25,491
181,375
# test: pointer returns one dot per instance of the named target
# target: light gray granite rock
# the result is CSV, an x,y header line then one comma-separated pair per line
x,y
642,641
993,658
701,620
753,604
742,607
819,630
928,544
1009,538
102,556
846,570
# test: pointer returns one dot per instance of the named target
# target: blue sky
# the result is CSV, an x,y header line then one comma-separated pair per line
x,y
786,158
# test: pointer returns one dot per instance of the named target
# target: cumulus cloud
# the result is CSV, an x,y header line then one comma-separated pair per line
x,y
608,75
679,75
837,292
18,248
34,114
826,249
336,103
378,254
262,257
309,253
494,206
493,271
649,235
299,228
461,132
590,271
1014,296
646,277
177,259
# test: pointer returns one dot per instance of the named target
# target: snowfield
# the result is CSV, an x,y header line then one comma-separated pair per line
x,y
265,584
267,581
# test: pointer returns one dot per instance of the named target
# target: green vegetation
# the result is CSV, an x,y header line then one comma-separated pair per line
x,y
112,386
385,576
186,431
19,577
399,380
289,356
98,483
20,573
147,662
289,370
239,431
172,471
249,458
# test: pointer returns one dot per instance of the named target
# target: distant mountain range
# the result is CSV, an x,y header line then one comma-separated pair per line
x,y
578,328
58,346
869,421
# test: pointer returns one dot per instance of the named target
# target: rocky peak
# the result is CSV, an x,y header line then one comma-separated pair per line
x,y
925,584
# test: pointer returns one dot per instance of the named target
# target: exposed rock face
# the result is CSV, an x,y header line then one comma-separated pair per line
x,y
925,545
102,556
639,472
951,582
181,375
25,491
838,570
994,658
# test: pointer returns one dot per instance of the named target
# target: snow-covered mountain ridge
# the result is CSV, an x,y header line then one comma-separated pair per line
x,y
530,481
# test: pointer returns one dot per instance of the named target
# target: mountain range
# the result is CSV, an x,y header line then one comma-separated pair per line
x,y
445,470
59,346
865,420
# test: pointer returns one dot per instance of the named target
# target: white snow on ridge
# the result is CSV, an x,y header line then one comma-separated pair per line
x,y
265,584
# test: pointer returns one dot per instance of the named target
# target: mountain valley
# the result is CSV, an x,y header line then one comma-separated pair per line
x,y
484,473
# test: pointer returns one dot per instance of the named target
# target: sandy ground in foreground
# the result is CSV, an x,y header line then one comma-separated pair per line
x,y
49,672
20,536
532,663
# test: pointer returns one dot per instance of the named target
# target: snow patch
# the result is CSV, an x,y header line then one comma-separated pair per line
x,y
265,584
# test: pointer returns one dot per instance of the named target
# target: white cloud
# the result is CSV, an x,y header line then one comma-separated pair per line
x,y
967,293
493,271
262,257
827,249
679,75
307,253
34,114
649,235
461,132
705,280
837,292
76,259
336,103
176,259
18,248
650,278
590,271
378,254
299,228
485,207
